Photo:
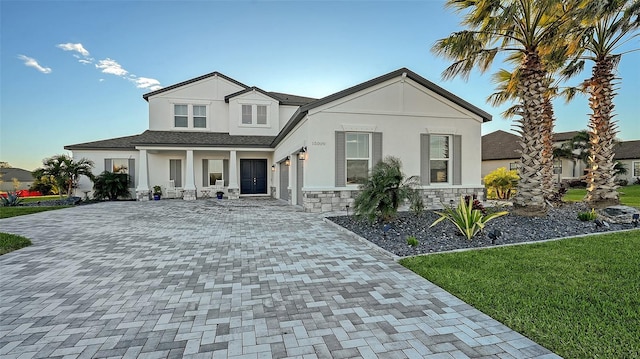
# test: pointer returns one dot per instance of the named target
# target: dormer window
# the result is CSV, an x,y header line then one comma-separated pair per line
x,y
189,116
255,115
180,115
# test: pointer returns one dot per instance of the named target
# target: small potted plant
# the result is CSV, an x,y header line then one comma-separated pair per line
x,y
157,192
219,194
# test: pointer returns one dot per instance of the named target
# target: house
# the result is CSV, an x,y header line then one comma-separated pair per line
x,y
502,149
628,153
15,179
215,131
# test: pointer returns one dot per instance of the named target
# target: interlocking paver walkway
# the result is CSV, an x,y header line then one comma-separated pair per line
x,y
229,279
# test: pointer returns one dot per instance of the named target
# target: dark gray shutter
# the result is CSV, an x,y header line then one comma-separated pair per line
x,y
425,143
376,147
108,166
205,172
132,173
299,181
225,172
341,176
284,181
457,160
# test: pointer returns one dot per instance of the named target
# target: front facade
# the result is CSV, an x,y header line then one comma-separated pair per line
x,y
213,133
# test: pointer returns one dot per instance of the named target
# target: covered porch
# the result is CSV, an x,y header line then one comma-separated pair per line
x,y
192,173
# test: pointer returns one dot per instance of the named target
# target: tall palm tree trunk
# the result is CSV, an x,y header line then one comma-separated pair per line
x,y
546,156
601,186
529,199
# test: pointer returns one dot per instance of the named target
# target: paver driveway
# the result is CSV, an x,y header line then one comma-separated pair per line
x,y
248,278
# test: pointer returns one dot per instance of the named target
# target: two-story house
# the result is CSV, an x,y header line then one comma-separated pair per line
x,y
311,152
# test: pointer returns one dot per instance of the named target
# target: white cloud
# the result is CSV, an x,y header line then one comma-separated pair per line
x,y
109,66
84,62
31,62
147,83
100,80
74,47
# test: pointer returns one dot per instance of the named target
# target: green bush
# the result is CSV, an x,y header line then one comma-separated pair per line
x,y
469,221
501,182
384,190
413,241
111,185
588,216
11,200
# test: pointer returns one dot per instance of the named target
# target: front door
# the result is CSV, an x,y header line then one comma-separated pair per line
x,y
253,176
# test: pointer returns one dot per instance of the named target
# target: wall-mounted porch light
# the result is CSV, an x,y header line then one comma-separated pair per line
x,y
287,162
273,168
302,154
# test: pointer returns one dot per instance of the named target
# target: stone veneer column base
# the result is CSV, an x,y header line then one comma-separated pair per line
x,y
273,193
233,193
142,195
189,195
334,201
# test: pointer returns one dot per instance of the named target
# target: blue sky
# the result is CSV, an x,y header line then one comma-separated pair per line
x,y
74,72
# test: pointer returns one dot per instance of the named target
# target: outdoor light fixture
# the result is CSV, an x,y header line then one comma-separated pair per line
x,y
302,154
451,202
273,168
287,162
635,218
494,235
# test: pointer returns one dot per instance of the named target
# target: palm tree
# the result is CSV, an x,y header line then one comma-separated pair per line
x,y
614,23
530,29
64,171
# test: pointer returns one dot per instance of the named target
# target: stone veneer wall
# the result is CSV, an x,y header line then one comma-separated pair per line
x,y
333,201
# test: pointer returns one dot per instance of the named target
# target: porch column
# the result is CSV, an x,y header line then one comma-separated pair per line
x,y
142,191
234,189
189,181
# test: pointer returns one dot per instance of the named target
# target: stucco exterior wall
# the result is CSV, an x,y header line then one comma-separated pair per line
x,y
236,127
98,157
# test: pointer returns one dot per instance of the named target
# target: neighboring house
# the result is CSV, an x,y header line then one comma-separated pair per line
x,y
628,153
502,149
7,175
310,152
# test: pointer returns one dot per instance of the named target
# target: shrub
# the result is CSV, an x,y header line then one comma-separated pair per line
x,y
637,181
622,182
383,192
416,203
111,185
11,200
469,221
502,181
588,216
413,241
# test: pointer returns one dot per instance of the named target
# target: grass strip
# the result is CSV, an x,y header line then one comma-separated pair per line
x,y
8,212
579,297
12,242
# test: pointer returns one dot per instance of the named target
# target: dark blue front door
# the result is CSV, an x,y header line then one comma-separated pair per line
x,y
253,176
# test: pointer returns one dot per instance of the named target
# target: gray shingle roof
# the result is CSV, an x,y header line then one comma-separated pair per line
x,y
627,150
8,174
500,145
173,138
564,136
291,100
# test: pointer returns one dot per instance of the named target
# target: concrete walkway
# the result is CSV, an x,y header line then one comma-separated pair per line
x,y
224,279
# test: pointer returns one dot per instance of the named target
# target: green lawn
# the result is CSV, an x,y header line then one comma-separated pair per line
x,y
41,198
629,195
12,242
7,212
578,297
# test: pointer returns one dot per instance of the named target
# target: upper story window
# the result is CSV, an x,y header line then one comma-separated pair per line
x,y
440,158
185,116
255,115
199,116
180,115
358,157
247,112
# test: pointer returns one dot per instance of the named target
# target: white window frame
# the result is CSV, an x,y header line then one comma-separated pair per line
x,y
210,171
254,115
194,116
449,159
175,115
122,162
633,168
347,158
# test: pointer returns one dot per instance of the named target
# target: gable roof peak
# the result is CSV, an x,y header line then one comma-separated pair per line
x,y
190,81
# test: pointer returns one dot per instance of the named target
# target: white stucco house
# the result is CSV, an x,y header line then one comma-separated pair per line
x,y
309,152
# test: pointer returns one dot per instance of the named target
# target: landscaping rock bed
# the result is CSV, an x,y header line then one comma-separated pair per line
x,y
66,201
559,222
